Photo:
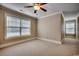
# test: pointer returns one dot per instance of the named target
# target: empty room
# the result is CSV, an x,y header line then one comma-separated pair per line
x,y
39,29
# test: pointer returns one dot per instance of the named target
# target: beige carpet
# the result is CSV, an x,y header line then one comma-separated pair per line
x,y
39,48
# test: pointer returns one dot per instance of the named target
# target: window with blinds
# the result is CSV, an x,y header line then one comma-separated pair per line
x,y
17,27
70,27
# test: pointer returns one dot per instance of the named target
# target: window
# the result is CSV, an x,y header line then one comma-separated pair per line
x,y
25,27
17,27
13,26
70,27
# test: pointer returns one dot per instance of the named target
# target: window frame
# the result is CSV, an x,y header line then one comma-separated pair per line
x,y
16,27
74,26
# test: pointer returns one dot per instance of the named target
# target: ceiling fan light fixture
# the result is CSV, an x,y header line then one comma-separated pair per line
x,y
37,7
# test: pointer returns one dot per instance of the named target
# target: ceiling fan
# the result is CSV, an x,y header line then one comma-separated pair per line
x,y
37,7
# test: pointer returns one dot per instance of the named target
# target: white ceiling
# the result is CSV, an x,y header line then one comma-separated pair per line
x,y
51,8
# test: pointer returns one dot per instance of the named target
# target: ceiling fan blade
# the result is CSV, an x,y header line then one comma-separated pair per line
x,y
35,11
43,9
43,3
28,6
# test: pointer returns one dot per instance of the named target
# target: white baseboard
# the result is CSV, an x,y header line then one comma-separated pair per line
x,y
13,43
20,41
50,40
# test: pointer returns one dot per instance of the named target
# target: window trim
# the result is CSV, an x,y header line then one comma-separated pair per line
x,y
17,27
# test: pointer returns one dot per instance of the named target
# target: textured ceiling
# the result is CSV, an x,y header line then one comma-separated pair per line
x,y
51,8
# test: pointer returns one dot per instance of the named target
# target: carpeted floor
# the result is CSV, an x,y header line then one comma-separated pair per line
x,y
40,48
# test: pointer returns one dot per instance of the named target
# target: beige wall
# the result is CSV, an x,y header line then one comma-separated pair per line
x,y
3,13
78,27
1,24
50,27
